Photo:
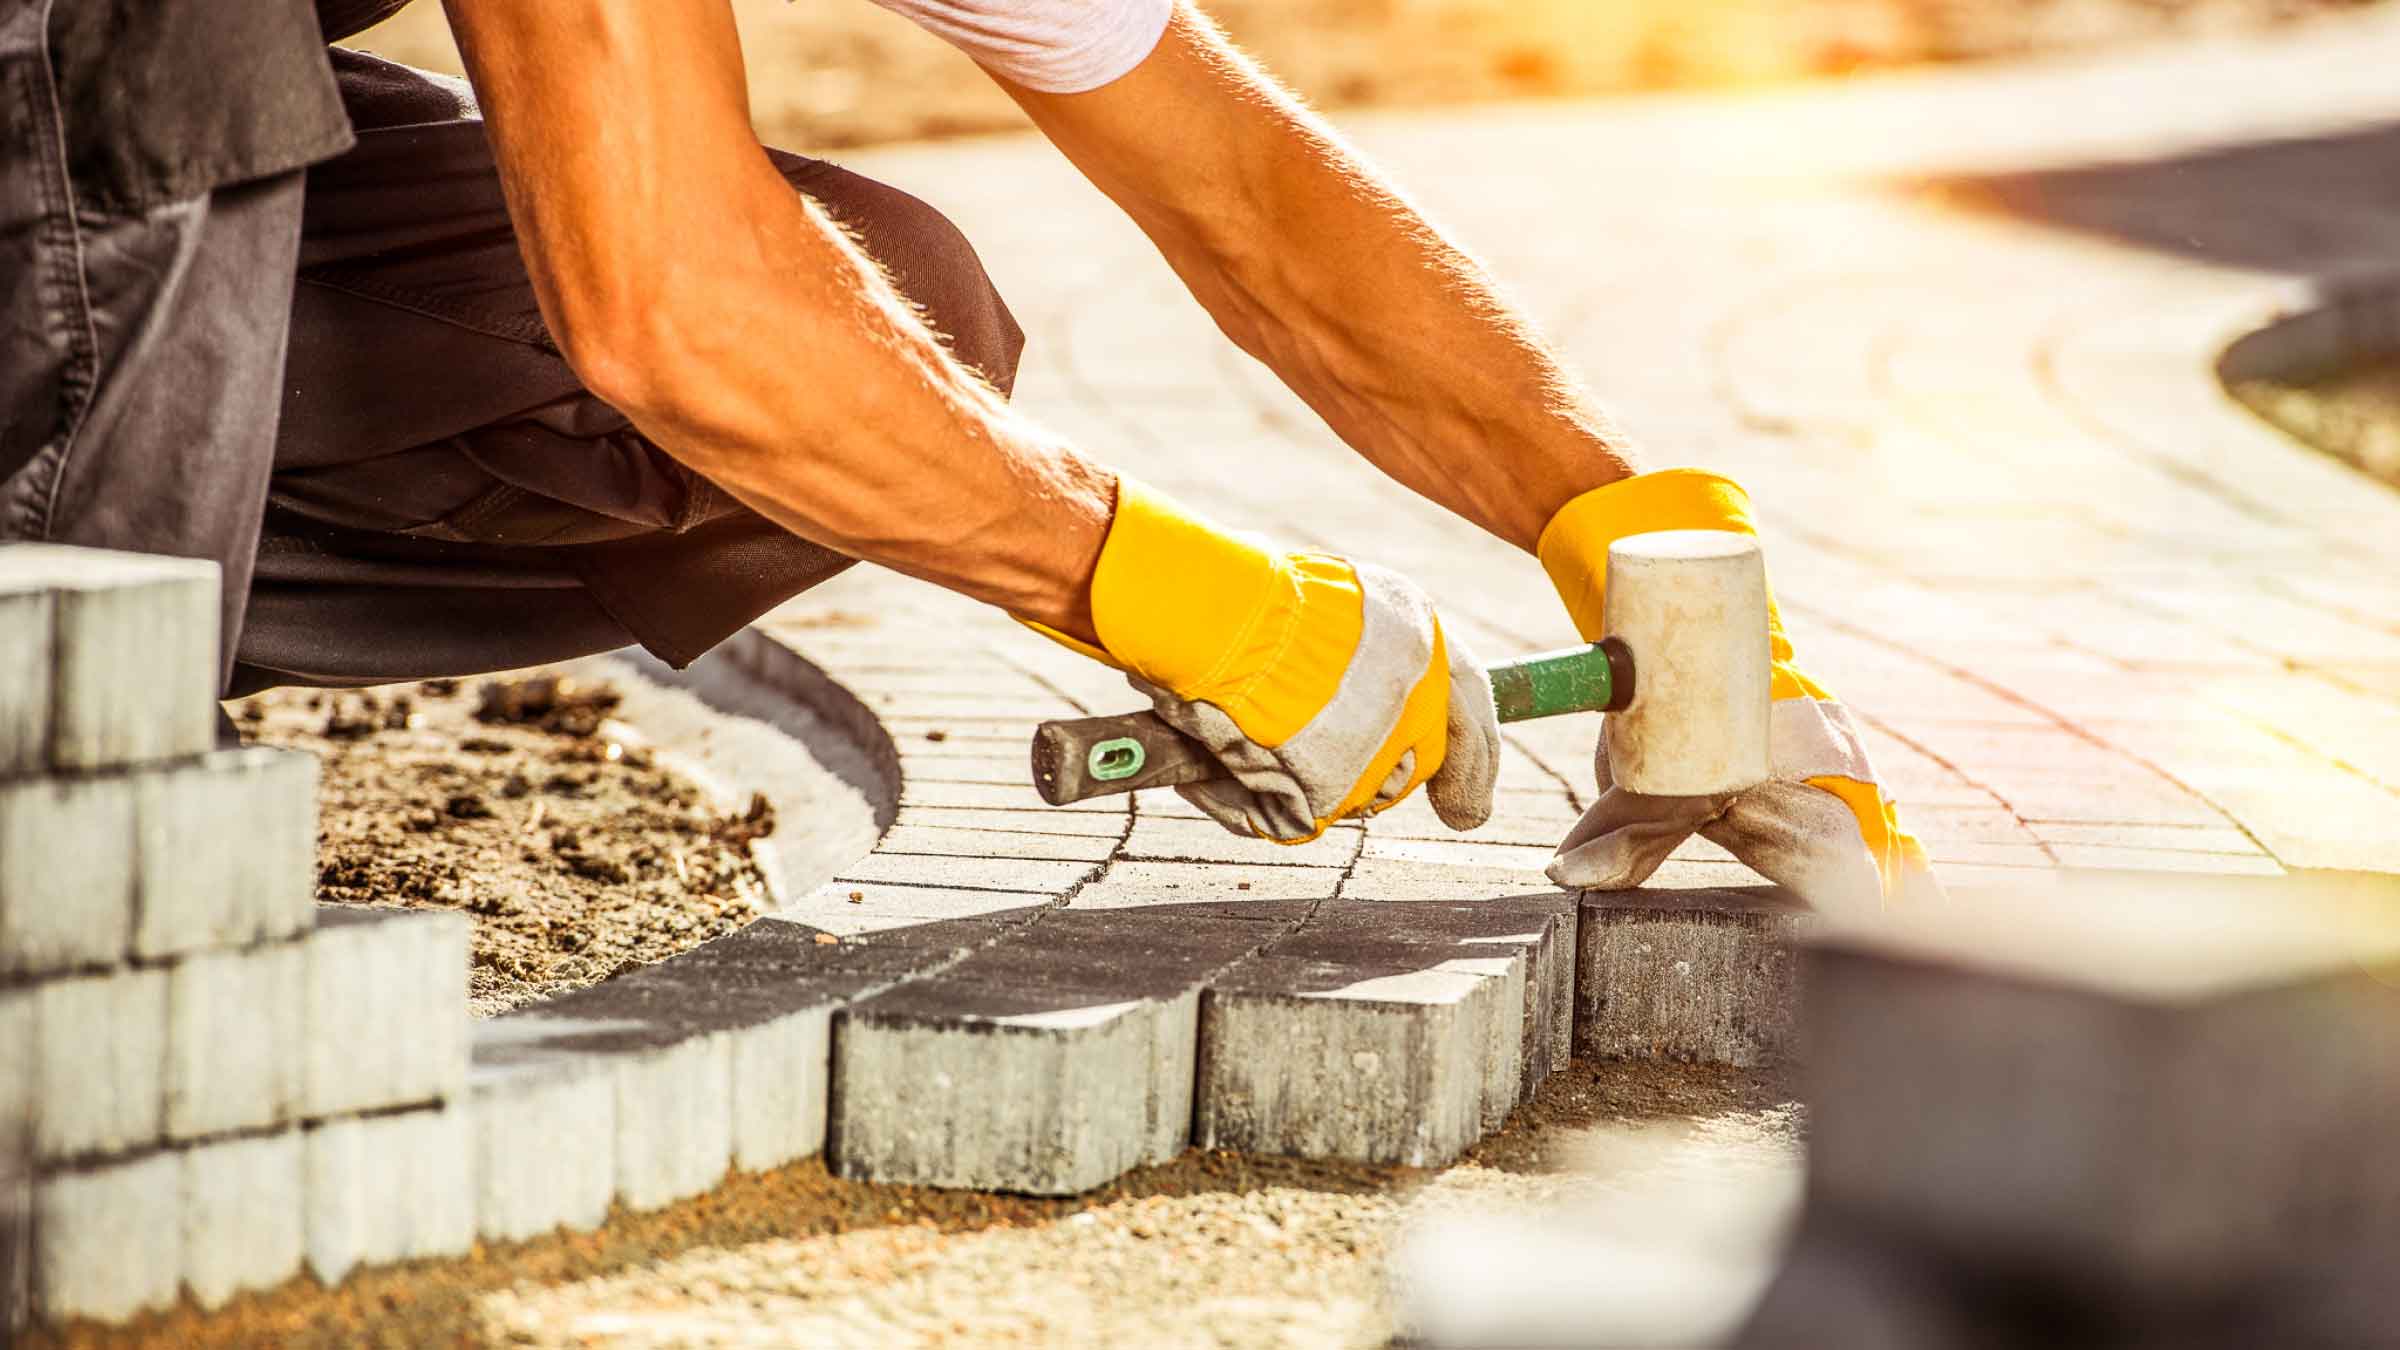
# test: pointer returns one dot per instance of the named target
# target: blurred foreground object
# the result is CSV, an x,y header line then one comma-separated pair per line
x,y
2115,1109
2126,1109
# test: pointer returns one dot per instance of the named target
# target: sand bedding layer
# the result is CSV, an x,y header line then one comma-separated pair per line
x,y
521,802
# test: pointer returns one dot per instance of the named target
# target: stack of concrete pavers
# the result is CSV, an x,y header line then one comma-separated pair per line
x,y
211,1089
2152,1111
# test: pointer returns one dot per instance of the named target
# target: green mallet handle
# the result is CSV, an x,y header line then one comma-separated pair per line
x,y
1095,756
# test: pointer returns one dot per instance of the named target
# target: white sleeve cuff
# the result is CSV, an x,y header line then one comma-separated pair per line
x,y
1053,46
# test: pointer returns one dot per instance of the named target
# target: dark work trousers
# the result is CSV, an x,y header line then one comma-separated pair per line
x,y
447,498
141,346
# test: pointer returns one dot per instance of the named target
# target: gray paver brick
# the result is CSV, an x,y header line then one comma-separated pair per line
x,y
544,1145
1168,839
365,972
100,1060
966,873
25,644
1702,975
2176,1081
1049,1062
66,873
1015,822
243,1215
383,1188
226,851
135,652
881,905
234,1037
1129,884
108,1241
1323,1060
1442,1014
996,844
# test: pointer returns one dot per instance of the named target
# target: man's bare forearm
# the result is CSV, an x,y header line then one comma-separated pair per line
x,y
737,325
1315,265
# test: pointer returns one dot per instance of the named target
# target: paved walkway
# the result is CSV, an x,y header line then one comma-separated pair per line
x,y
1956,331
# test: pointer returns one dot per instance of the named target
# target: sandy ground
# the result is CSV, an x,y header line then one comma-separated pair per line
x,y
2352,414
831,73
584,817
1660,1162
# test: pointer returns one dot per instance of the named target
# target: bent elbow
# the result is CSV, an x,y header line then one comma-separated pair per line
x,y
615,353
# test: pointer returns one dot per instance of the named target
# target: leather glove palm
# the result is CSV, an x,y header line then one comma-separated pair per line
x,y
1326,688
1821,825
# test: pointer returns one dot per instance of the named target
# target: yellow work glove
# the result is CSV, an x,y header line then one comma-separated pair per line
x,y
1820,825
1326,688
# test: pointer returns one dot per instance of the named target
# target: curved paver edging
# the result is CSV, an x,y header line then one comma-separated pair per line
x,y
2332,326
1040,1039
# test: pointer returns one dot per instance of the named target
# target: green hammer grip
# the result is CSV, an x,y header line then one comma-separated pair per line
x,y
1089,757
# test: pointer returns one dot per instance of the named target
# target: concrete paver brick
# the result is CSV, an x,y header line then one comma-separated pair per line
x,y
957,873
544,1149
1129,884
25,646
16,1248
2123,1017
1322,1059
100,1063
367,971
2178,838
880,906
108,1240
1701,975
1171,839
1393,1033
1049,1062
2166,860
1513,858
226,851
234,1037
674,1120
66,873
1083,823
951,842
781,1086
998,796
134,652
395,1187
20,1078
243,1215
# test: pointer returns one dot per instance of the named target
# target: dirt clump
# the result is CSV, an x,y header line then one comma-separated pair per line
x,y
521,804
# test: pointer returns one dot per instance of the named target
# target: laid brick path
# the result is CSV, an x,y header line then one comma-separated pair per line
x,y
1956,331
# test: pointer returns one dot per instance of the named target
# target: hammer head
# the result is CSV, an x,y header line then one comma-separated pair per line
x,y
1692,606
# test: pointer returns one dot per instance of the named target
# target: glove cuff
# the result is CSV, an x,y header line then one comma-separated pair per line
x,y
1172,593
1574,545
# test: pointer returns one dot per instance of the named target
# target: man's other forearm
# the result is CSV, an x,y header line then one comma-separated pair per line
x,y
1315,265
740,329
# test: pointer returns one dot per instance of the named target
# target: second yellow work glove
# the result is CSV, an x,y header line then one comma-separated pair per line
x,y
1821,825
1326,688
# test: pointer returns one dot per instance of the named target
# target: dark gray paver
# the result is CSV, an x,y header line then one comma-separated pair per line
x,y
1706,975
2162,1088
1380,1032
719,1053
1049,1062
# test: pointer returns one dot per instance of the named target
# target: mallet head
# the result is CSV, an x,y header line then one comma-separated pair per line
x,y
1692,607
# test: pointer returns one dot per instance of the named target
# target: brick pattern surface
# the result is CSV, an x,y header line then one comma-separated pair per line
x,y
2091,616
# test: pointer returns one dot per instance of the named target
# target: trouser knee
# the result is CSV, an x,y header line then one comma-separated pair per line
x,y
928,259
